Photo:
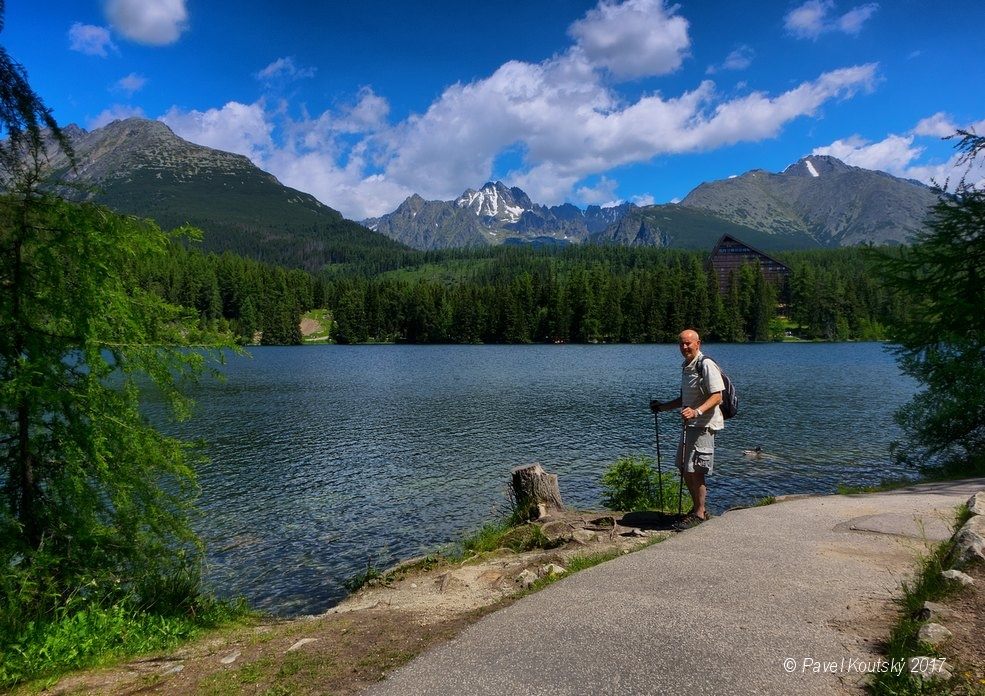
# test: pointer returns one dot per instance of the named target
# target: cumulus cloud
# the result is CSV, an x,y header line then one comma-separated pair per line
x,y
89,39
562,115
900,154
938,125
152,22
892,154
633,39
130,84
284,69
815,17
603,193
236,127
644,199
117,112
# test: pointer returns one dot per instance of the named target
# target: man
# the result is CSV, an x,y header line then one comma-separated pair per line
x,y
701,393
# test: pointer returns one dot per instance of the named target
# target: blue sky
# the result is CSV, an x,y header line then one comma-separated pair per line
x,y
364,103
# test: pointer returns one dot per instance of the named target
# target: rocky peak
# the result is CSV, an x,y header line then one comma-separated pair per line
x,y
495,200
816,166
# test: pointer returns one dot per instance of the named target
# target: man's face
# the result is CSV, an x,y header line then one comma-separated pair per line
x,y
689,345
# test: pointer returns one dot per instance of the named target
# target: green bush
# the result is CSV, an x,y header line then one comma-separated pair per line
x,y
632,484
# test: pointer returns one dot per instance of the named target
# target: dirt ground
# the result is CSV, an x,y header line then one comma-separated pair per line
x,y
382,626
966,648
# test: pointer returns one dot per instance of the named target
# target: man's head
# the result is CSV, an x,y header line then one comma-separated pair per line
x,y
689,343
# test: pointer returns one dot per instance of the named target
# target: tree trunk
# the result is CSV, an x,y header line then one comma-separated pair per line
x,y
536,492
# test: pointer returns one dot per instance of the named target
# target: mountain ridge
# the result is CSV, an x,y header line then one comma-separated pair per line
x,y
141,167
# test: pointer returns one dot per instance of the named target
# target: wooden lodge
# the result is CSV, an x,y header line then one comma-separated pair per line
x,y
730,254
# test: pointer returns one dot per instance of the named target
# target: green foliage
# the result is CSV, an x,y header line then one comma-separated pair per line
x,y
85,633
941,337
631,484
95,504
504,533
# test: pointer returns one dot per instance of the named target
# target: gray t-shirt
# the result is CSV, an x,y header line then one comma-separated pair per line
x,y
695,389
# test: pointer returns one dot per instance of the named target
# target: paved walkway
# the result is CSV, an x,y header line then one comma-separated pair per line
x,y
717,609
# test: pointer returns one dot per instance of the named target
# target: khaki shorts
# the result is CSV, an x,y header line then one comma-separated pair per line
x,y
696,451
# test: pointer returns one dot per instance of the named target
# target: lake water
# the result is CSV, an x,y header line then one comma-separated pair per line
x,y
325,458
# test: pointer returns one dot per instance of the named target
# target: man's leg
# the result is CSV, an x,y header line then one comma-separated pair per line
x,y
695,481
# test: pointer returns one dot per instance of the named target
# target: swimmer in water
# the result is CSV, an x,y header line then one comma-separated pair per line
x,y
757,453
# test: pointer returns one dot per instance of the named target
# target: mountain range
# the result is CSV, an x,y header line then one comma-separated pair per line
x,y
140,167
818,201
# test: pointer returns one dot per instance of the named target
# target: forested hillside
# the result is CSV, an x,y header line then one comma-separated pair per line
x,y
521,295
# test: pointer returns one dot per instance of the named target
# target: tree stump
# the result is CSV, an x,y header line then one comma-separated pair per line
x,y
536,492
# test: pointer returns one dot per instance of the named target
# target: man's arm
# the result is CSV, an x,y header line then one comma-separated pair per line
x,y
708,404
666,405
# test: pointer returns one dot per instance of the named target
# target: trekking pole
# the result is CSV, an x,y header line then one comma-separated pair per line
x,y
660,476
680,486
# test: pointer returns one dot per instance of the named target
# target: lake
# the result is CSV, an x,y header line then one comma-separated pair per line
x,y
326,458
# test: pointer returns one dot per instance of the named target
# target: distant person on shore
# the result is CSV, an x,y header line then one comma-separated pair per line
x,y
701,393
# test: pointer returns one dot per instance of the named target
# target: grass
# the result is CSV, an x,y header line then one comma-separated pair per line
x,y
767,500
903,643
94,635
582,562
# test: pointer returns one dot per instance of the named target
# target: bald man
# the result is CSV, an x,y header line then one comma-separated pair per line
x,y
701,393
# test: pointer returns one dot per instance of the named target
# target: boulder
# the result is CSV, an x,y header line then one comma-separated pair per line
x,y
932,611
969,542
933,634
929,668
958,576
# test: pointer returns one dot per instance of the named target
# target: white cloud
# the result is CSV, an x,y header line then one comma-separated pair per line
x,y
562,115
152,22
89,39
644,199
899,155
813,18
130,84
892,154
603,193
938,125
117,112
633,39
739,59
284,69
240,128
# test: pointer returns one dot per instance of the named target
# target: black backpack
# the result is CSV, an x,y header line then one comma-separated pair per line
x,y
730,400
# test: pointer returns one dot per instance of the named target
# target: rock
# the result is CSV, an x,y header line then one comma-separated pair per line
x,y
929,668
976,503
602,524
957,575
933,634
969,542
583,536
557,531
526,578
174,669
551,569
231,657
636,532
932,611
303,641
447,582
